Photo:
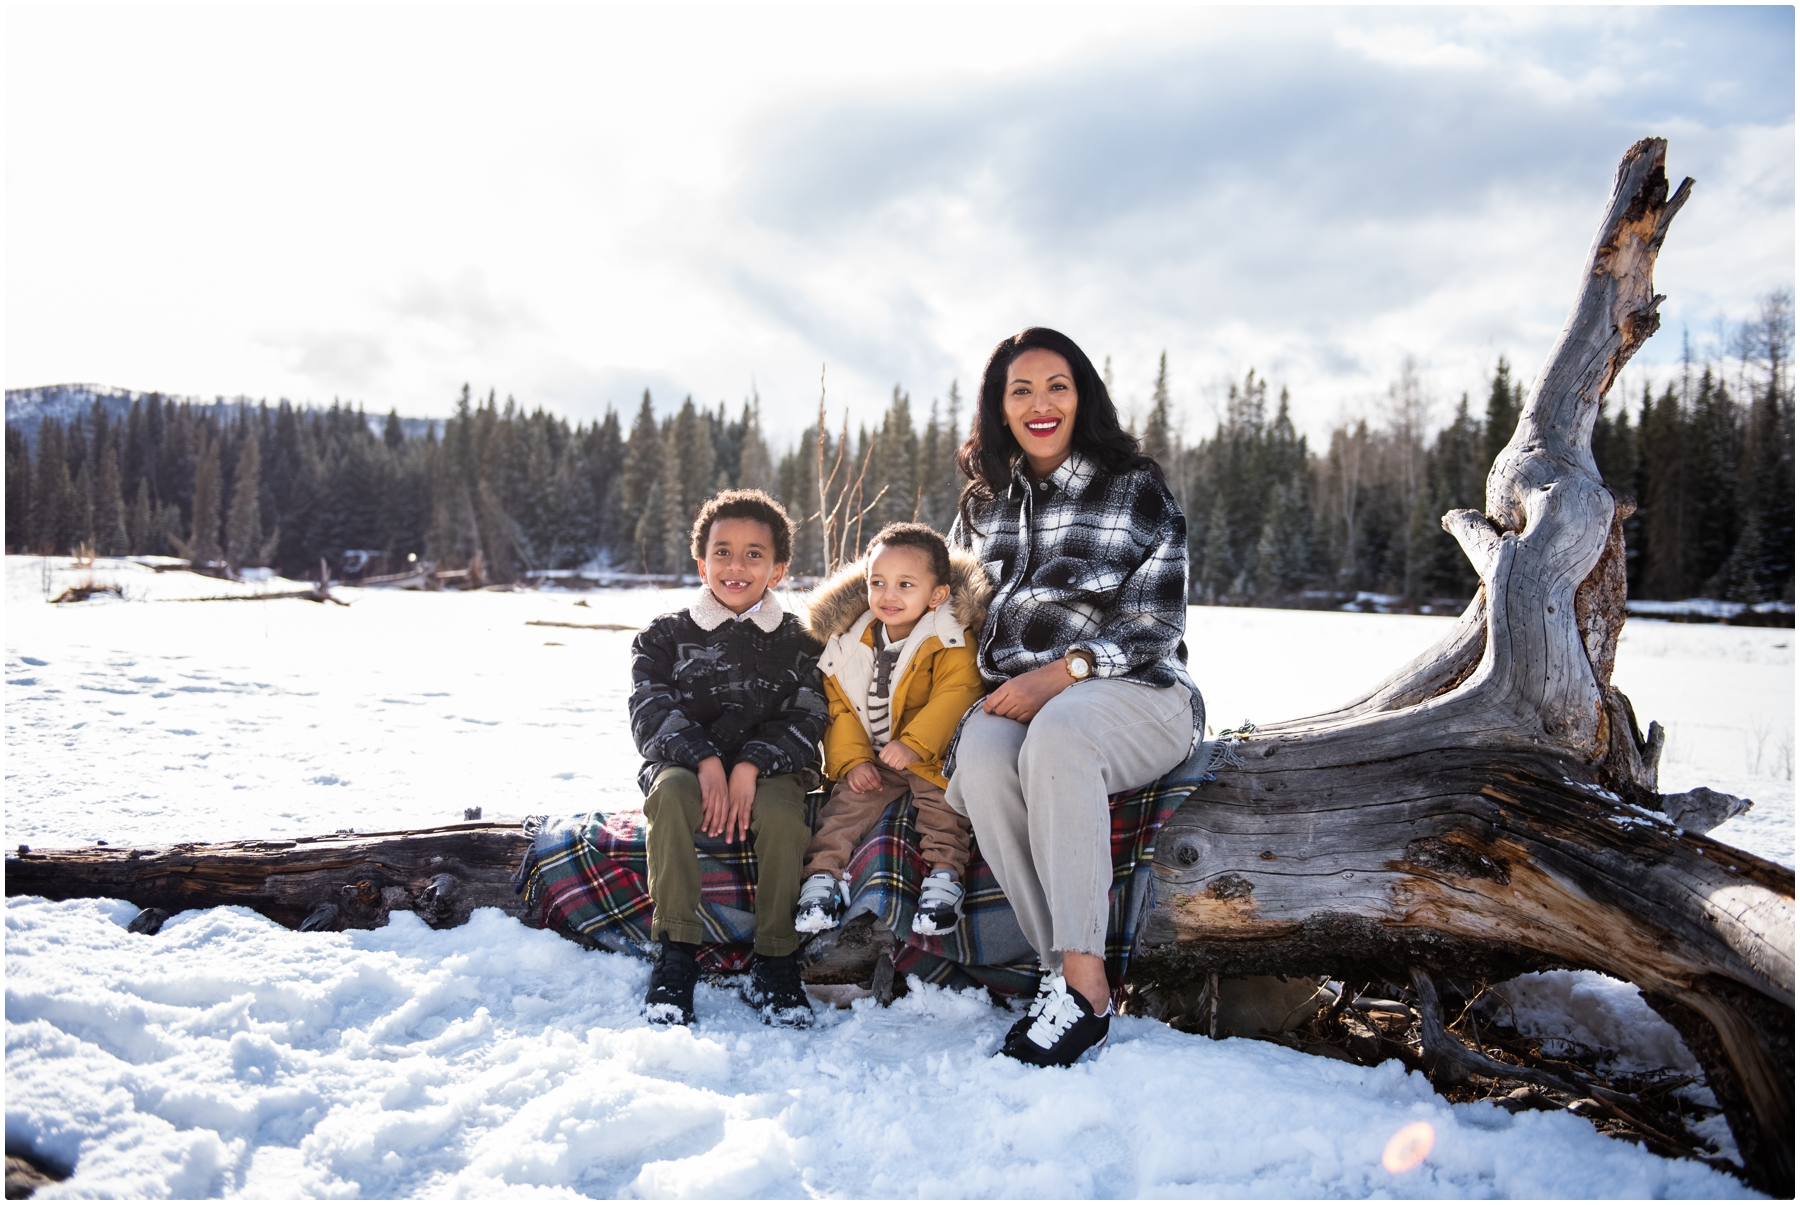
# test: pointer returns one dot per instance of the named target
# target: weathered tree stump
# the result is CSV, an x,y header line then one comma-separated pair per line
x,y
1492,808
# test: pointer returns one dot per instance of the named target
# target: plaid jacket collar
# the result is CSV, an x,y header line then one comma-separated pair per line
x,y
1070,477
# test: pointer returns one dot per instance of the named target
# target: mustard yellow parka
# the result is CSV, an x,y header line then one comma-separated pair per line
x,y
934,687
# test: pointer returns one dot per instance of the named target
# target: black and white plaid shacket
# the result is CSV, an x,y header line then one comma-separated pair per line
x,y
1085,559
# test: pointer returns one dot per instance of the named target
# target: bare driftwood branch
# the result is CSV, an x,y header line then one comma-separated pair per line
x,y
1492,808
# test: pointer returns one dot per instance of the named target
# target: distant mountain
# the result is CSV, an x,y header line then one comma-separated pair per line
x,y
25,408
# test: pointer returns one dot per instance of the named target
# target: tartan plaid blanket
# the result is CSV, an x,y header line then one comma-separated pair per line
x,y
589,874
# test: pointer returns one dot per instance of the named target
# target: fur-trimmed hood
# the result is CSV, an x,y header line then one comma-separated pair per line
x,y
843,598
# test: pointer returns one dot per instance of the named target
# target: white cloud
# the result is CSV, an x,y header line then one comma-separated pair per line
x,y
572,205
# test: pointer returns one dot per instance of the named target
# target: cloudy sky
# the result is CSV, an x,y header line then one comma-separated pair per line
x,y
574,204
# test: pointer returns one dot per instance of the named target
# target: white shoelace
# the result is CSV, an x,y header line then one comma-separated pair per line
x,y
1059,1013
817,890
1046,988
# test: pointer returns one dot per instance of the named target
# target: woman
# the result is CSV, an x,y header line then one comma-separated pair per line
x,y
1088,550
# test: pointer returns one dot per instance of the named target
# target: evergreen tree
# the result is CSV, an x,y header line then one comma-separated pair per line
x,y
244,540
53,509
941,481
1712,461
18,490
1159,439
639,473
110,535
1663,436
1455,479
603,450
84,506
143,535
895,467
687,481
1506,400
202,545
756,471
1762,564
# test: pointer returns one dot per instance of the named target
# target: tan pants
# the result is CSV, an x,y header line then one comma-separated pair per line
x,y
1037,796
848,815
673,813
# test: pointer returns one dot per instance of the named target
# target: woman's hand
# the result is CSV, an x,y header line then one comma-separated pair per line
x,y
1021,698
743,795
863,777
898,754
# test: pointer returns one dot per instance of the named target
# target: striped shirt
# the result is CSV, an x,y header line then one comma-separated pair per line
x,y
881,712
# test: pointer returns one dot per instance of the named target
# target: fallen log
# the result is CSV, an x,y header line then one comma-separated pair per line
x,y
344,881
593,627
1492,808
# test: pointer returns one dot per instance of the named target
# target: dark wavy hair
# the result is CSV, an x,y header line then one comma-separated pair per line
x,y
991,453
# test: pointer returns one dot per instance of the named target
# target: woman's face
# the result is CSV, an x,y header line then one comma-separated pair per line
x,y
1040,408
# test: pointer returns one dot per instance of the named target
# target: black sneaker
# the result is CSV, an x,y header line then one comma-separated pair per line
x,y
821,904
670,1000
775,991
1016,1034
1065,1028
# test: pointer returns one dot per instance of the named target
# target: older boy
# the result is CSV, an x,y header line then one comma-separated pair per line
x,y
727,708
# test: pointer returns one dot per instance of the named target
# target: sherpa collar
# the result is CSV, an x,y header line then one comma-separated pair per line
x,y
709,612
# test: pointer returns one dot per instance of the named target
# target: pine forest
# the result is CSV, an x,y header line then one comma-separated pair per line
x,y
1708,457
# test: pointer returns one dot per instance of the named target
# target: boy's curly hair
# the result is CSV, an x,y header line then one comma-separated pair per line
x,y
745,504
917,535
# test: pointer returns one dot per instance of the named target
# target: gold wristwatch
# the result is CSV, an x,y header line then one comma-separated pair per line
x,y
1079,663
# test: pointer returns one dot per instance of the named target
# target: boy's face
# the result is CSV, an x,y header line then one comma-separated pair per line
x,y
902,588
740,563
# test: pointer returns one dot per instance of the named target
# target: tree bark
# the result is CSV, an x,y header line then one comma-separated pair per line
x,y
1492,809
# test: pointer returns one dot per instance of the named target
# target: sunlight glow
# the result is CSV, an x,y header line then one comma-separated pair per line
x,y
1408,1148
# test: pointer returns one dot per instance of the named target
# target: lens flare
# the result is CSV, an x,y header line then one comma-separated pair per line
x,y
1407,1149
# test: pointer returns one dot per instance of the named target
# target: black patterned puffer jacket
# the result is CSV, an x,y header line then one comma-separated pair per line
x,y
706,683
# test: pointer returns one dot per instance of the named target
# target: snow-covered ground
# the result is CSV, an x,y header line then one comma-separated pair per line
x,y
230,1056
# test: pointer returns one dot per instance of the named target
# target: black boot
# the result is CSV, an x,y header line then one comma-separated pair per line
x,y
670,1000
776,992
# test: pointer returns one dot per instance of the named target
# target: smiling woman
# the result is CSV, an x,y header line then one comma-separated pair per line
x,y
1088,551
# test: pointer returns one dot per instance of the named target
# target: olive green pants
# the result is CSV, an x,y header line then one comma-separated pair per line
x,y
778,828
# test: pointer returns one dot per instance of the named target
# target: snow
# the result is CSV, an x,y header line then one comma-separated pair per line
x,y
1598,1013
229,1056
1711,608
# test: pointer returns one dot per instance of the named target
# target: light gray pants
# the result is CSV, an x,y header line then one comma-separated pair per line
x,y
1036,797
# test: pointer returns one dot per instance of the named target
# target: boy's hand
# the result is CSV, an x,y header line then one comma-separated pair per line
x,y
743,794
863,777
898,754
715,800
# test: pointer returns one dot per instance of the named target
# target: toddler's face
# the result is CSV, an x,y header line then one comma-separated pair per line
x,y
902,588
740,563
